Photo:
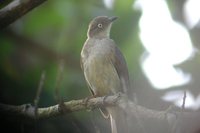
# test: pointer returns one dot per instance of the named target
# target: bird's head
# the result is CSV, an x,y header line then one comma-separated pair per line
x,y
100,26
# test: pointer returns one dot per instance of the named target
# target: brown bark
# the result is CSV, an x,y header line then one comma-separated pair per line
x,y
16,9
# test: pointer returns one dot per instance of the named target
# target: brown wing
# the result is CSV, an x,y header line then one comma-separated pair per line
x,y
121,67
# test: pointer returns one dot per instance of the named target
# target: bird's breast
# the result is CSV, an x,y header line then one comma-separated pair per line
x,y
99,70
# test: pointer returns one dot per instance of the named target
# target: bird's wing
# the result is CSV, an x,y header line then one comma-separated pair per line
x,y
120,65
82,67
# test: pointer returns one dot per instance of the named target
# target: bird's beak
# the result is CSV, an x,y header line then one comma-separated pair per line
x,y
113,18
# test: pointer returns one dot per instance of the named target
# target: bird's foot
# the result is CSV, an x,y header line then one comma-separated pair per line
x,y
104,99
85,101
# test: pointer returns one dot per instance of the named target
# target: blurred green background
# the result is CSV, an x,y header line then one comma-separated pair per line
x,y
54,33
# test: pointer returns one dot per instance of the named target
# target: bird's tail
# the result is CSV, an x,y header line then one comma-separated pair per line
x,y
118,120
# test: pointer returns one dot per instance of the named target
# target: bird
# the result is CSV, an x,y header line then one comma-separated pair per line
x,y
105,69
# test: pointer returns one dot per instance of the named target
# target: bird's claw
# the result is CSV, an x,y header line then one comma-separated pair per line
x,y
104,99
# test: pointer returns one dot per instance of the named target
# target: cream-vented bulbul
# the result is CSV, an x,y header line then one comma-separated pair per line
x,y
105,68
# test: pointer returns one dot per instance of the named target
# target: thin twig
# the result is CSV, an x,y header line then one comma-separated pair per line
x,y
184,99
39,89
58,81
181,115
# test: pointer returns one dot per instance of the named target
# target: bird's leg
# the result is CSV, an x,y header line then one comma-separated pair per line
x,y
118,94
85,100
104,99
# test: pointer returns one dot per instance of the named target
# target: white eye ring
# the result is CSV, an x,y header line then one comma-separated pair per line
x,y
100,25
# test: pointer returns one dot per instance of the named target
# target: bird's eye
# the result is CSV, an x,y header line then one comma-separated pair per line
x,y
100,25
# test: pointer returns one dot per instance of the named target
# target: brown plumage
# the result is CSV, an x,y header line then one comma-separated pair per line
x,y
104,68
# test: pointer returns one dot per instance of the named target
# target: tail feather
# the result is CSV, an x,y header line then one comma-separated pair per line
x,y
118,120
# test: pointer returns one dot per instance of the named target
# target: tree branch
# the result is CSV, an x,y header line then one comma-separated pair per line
x,y
46,112
189,120
15,10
